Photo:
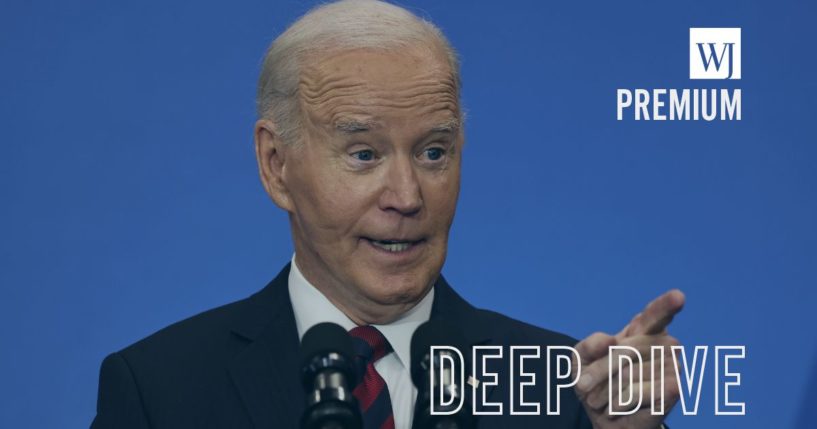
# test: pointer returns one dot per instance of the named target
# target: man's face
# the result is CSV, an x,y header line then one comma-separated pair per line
x,y
374,184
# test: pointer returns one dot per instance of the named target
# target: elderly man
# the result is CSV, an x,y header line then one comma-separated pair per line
x,y
360,141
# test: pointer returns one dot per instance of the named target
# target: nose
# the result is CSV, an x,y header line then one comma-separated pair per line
x,y
402,191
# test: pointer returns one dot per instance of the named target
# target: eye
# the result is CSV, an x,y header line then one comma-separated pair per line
x,y
434,153
363,155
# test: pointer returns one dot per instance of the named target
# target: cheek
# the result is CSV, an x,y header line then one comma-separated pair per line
x,y
327,203
441,197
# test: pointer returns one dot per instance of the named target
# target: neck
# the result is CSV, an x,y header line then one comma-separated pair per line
x,y
358,307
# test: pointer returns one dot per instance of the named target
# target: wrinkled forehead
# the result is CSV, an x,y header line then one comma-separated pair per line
x,y
367,86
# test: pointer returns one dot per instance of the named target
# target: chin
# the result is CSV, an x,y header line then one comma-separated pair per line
x,y
401,288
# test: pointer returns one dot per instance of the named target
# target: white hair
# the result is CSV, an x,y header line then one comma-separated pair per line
x,y
333,27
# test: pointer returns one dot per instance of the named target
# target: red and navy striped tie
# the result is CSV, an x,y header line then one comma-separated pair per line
x,y
372,393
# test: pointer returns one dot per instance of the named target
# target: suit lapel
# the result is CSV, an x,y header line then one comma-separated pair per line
x,y
458,313
454,310
266,373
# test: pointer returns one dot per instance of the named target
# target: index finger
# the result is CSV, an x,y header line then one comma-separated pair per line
x,y
656,316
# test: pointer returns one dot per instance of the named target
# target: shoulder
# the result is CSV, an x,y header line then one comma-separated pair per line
x,y
509,331
178,365
183,370
484,324
212,336
181,361
209,330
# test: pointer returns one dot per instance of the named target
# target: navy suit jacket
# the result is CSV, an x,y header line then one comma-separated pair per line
x,y
236,366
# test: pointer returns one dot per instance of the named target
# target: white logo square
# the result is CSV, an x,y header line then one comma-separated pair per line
x,y
714,53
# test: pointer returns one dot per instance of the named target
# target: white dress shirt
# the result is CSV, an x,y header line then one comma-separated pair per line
x,y
312,307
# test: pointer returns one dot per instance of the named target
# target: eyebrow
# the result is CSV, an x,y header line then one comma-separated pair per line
x,y
450,126
352,126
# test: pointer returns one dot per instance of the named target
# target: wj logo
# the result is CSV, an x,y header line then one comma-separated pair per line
x,y
714,53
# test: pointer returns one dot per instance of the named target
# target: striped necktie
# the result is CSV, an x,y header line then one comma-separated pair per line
x,y
372,393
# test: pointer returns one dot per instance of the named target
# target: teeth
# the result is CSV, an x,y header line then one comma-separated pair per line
x,y
392,246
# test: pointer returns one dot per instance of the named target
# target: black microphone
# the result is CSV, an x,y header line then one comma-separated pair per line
x,y
451,408
328,375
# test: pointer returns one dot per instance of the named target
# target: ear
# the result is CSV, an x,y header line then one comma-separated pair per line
x,y
271,155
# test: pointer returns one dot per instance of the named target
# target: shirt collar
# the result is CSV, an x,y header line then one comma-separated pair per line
x,y
312,307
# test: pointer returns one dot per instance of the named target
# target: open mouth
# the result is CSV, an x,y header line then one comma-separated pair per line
x,y
393,246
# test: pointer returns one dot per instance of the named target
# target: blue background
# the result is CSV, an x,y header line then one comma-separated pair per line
x,y
130,196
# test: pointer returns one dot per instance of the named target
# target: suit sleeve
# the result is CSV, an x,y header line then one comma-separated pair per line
x,y
119,404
